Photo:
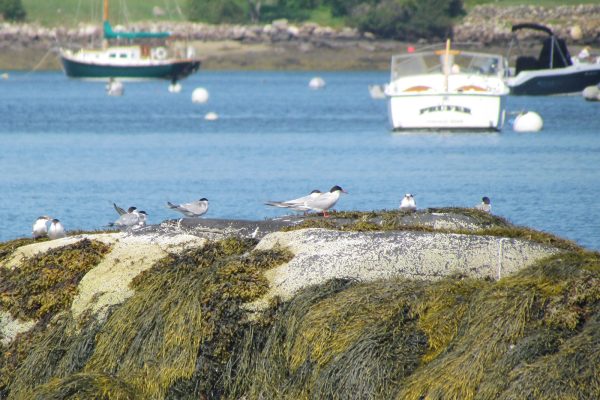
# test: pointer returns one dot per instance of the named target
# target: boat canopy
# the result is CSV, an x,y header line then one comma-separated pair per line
x,y
554,53
536,27
110,34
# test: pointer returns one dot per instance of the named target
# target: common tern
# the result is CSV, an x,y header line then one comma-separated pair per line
x,y
134,219
485,205
121,211
325,201
194,209
408,203
40,227
56,230
299,204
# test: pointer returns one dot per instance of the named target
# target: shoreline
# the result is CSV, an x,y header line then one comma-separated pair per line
x,y
283,45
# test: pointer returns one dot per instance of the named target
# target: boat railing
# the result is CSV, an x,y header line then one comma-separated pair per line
x,y
433,62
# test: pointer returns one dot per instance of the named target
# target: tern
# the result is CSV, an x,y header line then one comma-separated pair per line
x,y
56,230
325,201
299,204
40,227
134,219
408,203
485,205
194,209
121,211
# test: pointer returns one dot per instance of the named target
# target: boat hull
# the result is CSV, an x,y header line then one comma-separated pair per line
x,y
554,81
171,70
449,111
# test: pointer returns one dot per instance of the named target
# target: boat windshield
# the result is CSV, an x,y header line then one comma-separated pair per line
x,y
432,62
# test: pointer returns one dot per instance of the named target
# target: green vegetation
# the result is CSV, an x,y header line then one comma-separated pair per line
x,y
398,19
12,10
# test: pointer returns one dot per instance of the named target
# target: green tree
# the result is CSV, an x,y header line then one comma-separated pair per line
x,y
12,10
218,11
407,19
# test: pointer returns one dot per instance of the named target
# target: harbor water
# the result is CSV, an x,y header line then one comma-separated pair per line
x,y
69,151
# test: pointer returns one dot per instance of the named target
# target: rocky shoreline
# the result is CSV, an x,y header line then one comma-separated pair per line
x,y
284,45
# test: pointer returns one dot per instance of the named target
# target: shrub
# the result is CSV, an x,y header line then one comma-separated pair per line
x,y
12,10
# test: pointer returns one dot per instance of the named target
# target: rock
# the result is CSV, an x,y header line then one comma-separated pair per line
x,y
321,255
576,33
10,327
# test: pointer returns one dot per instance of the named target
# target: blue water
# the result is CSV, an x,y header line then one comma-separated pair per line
x,y
68,150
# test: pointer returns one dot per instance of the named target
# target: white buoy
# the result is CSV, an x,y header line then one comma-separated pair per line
x,y
175,87
316,83
114,88
200,95
4,75
528,121
211,116
377,92
591,93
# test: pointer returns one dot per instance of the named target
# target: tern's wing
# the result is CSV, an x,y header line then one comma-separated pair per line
x,y
280,204
323,202
196,208
299,202
181,209
119,210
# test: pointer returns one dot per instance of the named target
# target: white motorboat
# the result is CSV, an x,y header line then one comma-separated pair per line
x,y
554,71
447,89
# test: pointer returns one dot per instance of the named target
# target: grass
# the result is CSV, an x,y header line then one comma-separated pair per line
x,y
72,12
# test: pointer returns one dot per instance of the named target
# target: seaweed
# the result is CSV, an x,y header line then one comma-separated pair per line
x,y
7,248
178,328
392,220
340,340
187,333
82,386
46,283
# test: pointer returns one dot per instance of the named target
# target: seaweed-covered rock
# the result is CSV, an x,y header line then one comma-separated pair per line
x,y
444,303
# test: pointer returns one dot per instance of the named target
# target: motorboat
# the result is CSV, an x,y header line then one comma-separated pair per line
x,y
130,56
554,71
447,89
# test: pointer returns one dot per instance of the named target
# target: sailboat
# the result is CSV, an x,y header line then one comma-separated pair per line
x,y
129,56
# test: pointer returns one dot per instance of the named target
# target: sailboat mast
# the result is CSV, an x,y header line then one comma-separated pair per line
x,y
104,22
105,14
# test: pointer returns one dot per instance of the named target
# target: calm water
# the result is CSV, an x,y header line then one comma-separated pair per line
x,y
68,150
